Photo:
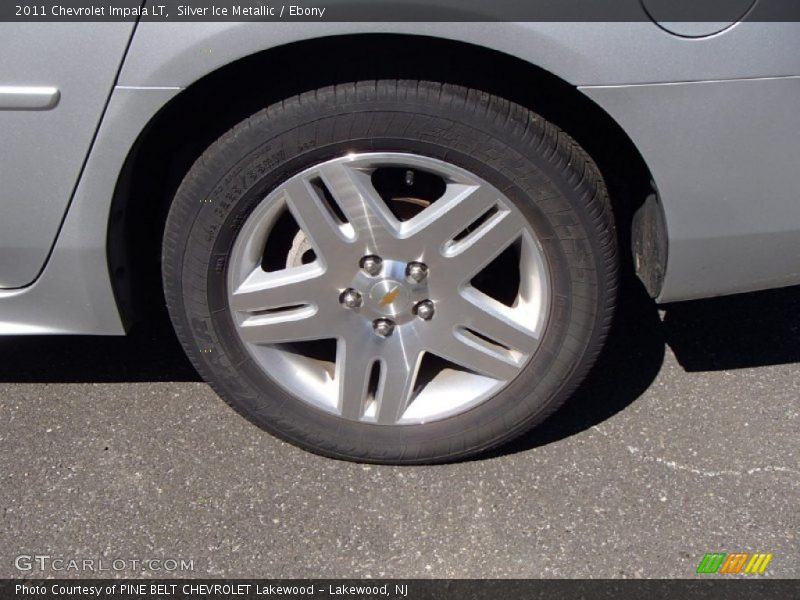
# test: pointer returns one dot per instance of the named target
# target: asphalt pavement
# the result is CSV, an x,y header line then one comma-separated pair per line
x,y
683,441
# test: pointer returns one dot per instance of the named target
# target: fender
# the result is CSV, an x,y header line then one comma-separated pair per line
x,y
582,54
604,60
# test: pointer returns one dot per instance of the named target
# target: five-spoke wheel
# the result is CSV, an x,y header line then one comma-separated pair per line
x,y
390,290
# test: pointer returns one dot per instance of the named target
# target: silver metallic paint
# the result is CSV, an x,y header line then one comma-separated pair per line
x,y
723,152
73,294
579,53
43,150
725,157
733,10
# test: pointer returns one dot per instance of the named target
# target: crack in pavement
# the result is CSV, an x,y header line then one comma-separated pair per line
x,y
634,451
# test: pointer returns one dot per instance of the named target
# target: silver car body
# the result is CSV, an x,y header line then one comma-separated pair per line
x,y
715,118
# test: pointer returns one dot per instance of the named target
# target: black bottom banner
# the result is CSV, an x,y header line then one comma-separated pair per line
x,y
413,589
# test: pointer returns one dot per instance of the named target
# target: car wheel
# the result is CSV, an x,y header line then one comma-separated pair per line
x,y
392,271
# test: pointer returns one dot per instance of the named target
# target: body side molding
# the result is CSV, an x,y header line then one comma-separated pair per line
x,y
29,97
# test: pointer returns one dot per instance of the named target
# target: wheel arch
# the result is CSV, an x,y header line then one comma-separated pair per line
x,y
172,140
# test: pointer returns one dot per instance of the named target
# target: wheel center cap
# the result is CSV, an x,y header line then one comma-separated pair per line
x,y
389,297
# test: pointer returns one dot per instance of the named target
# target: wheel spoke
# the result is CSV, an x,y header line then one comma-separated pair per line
x,y
476,355
397,386
471,254
495,321
289,287
365,210
353,369
451,214
314,218
293,325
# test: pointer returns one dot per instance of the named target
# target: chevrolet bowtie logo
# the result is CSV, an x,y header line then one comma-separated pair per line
x,y
390,297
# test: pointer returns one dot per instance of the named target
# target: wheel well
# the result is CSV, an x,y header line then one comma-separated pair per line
x,y
188,124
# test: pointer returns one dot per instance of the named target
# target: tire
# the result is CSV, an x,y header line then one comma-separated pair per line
x,y
431,137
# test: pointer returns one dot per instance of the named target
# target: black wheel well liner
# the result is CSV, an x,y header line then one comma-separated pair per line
x,y
174,139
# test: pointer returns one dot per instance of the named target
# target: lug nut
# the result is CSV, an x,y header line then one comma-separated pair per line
x,y
350,298
424,310
372,265
417,271
383,327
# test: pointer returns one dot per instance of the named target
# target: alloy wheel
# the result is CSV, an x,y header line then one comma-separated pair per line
x,y
401,289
